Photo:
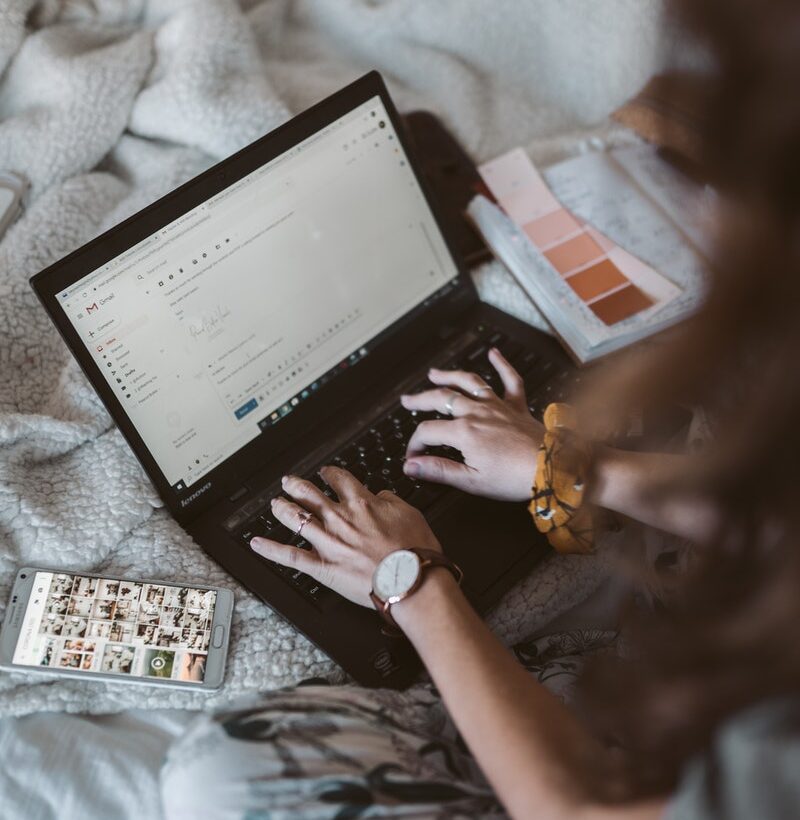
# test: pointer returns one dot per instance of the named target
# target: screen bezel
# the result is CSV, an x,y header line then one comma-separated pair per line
x,y
15,609
407,332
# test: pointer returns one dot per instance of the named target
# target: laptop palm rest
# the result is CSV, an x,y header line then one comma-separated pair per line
x,y
485,538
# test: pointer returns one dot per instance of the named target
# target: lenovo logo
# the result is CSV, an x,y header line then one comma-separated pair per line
x,y
185,502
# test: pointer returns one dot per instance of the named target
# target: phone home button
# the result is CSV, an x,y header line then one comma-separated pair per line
x,y
217,636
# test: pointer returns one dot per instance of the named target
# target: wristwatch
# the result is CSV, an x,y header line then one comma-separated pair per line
x,y
400,574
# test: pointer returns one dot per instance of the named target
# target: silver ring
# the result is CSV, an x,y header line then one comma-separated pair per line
x,y
478,390
304,519
448,406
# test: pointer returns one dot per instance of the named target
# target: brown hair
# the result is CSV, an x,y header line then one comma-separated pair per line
x,y
726,637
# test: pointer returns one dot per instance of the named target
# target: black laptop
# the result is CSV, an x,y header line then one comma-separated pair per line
x,y
264,318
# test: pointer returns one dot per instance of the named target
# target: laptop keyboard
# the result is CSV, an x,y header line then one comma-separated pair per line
x,y
375,455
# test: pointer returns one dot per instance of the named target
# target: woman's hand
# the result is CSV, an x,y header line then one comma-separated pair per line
x,y
498,437
349,537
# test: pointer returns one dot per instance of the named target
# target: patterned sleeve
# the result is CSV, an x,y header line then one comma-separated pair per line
x,y
751,771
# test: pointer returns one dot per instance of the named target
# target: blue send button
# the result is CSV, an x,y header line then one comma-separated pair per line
x,y
246,408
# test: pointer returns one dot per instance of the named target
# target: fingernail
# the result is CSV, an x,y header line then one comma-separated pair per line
x,y
273,502
411,468
255,542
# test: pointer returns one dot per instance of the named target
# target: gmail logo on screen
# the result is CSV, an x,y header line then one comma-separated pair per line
x,y
92,308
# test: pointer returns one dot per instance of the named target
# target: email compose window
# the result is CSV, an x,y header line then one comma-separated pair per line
x,y
220,323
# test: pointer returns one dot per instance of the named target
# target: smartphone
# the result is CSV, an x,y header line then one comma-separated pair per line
x,y
116,629
12,190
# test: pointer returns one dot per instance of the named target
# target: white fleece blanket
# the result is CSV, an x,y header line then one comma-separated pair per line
x,y
107,104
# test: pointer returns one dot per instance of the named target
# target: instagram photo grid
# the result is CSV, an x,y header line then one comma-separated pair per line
x,y
125,628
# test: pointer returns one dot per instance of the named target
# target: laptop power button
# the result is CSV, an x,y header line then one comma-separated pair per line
x,y
217,636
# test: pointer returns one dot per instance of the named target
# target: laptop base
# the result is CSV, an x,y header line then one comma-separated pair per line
x,y
495,543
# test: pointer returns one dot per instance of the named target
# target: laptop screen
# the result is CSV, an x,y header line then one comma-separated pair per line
x,y
219,324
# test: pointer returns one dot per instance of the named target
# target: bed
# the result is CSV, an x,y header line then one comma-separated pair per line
x,y
106,105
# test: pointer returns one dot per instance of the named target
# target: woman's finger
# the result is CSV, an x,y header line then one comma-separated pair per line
x,y
439,470
307,495
512,382
301,522
443,400
343,483
470,383
434,434
287,556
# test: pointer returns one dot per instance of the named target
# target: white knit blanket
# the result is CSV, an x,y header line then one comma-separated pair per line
x,y
107,104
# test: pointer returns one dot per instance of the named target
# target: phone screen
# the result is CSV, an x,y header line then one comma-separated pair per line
x,y
104,625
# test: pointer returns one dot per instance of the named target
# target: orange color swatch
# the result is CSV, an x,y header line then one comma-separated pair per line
x,y
598,279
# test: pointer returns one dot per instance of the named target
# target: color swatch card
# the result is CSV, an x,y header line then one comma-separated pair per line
x,y
596,294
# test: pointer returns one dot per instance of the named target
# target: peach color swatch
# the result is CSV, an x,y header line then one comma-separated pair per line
x,y
549,229
574,253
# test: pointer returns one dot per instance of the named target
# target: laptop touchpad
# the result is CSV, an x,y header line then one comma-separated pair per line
x,y
485,538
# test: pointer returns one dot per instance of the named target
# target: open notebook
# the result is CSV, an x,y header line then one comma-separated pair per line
x,y
607,245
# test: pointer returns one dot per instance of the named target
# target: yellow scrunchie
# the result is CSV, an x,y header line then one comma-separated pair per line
x,y
562,464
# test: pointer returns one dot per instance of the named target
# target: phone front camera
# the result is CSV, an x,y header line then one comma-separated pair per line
x,y
24,575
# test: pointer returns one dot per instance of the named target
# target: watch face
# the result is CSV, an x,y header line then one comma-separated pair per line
x,y
396,574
